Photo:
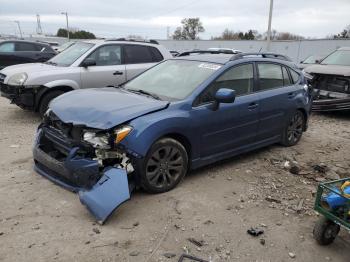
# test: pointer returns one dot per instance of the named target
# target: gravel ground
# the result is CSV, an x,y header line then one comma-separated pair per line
x,y
207,215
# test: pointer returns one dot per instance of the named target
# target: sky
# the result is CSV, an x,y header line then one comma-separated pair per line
x,y
150,19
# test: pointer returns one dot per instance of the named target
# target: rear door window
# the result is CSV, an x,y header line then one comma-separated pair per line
x,y
7,47
270,76
295,76
27,47
137,54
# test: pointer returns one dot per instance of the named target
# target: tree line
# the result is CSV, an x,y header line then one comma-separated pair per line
x,y
76,34
191,28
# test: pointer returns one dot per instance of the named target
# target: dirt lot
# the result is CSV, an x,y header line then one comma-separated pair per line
x,y
40,221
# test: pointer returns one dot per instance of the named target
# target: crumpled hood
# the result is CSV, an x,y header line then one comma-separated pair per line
x,y
27,68
328,70
103,108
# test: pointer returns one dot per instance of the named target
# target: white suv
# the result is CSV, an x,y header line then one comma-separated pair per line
x,y
86,64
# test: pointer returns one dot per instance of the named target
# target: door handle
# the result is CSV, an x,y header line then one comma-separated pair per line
x,y
253,105
117,73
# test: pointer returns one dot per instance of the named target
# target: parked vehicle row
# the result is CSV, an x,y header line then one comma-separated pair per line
x,y
85,64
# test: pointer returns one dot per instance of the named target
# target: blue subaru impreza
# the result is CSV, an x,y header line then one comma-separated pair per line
x,y
181,114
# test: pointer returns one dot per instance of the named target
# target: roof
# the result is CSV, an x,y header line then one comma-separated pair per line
x,y
210,58
344,48
225,58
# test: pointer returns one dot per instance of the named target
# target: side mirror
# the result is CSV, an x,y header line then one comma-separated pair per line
x,y
317,61
301,62
88,62
224,95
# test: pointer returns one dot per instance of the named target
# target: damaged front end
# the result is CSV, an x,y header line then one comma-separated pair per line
x,y
86,161
331,92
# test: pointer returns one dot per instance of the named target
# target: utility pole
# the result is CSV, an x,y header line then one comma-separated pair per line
x,y
39,30
168,32
66,14
19,28
268,45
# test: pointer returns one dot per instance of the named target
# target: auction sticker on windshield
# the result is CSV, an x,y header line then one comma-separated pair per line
x,y
209,66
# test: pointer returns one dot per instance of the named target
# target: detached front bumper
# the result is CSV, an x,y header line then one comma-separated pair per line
x,y
101,190
330,101
23,97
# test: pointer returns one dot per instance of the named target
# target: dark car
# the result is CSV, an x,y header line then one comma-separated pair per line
x,y
331,81
181,114
13,52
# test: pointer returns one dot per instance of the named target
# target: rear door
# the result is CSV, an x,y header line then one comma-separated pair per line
x,y
7,54
139,58
276,93
108,71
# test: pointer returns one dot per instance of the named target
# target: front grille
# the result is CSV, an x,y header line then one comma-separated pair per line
x,y
2,78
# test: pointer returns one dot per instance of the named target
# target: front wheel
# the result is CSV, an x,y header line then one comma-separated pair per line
x,y
46,99
294,130
163,167
325,231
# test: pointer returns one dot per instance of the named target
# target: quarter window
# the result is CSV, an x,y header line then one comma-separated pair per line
x,y
295,76
157,56
239,78
107,55
270,76
7,47
136,54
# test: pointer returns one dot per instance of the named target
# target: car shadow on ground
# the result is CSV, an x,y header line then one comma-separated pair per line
x,y
340,115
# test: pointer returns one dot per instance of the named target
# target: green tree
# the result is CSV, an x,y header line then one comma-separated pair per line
x,y
190,29
79,34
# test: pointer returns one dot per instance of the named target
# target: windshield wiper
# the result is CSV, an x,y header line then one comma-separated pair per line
x,y
140,91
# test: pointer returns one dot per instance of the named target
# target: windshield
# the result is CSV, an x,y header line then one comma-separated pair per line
x,y
71,54
173,79
340,57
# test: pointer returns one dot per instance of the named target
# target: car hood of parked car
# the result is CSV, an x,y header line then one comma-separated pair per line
x,y
328,70
27,68
103,108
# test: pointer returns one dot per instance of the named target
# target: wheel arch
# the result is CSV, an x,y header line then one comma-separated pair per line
x,y
182,139
45,90
303,111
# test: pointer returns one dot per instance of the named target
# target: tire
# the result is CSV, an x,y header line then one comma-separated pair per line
x,y
294,129
325,231
163,167
46,99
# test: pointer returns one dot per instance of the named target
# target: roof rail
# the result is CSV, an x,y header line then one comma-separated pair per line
x,y
151,41
186,53
263,55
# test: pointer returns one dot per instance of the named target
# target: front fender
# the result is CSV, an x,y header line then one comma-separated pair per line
x,y
63,82
150,128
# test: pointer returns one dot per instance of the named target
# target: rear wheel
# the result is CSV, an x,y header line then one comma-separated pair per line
x,y
46,99
294,130
325,231
163,167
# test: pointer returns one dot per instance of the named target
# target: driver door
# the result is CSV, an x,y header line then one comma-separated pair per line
x,y
108,71
234,125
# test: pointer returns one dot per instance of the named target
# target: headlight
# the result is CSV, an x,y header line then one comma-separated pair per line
x,y
121,132
17,79
97,140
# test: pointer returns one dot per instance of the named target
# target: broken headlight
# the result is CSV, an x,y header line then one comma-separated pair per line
x,y
97,140
121,132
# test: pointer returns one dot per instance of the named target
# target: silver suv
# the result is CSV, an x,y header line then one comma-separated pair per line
x,y
86,64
